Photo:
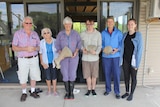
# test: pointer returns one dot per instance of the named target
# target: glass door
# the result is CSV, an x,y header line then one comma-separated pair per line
x,y
3,20
122,11
17,16
45,15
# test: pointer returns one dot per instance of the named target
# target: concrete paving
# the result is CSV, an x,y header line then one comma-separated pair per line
x,y
143,97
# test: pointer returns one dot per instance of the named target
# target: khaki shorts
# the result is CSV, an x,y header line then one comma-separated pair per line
x,y
90,69
28,67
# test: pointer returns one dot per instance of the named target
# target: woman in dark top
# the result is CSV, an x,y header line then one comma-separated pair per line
x,y
131,54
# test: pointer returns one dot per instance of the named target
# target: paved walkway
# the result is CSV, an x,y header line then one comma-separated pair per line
x,y
143,97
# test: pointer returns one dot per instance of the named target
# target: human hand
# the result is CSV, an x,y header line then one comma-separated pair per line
x,y
93,52
45,66
75,54
31,48
115,50
85,51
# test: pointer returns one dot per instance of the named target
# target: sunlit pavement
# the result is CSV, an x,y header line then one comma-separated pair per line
x,y
143,97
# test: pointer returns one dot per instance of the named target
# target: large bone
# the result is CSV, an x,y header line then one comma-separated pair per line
x,y
108,50
66,52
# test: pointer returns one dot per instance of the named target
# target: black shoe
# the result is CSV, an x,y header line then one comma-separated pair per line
x,y
66,96
23,97
106,93
125,95
118,96
130,97
34,95
88,93
71,96
94,93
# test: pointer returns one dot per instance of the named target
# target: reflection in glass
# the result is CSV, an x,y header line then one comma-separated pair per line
x,y
45,15
81,26
122,11
3,19
17,16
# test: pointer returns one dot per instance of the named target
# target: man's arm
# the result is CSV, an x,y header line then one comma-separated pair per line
x,y
28,48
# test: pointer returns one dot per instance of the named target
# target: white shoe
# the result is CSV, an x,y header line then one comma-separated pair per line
x,y
76,91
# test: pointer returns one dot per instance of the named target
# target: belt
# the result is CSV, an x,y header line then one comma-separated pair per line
x,y
28,57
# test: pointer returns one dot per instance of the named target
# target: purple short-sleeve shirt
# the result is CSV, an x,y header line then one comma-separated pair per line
x,y
21,39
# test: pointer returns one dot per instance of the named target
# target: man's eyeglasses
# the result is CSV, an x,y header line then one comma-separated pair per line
x,y
46,33
28,23
89,24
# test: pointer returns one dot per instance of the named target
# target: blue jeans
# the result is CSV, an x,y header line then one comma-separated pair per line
x,y
111,69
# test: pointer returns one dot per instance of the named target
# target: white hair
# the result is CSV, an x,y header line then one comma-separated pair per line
x,y
45,29
67,20
27,17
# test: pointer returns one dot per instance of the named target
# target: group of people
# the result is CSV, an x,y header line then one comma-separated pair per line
x,y
126,51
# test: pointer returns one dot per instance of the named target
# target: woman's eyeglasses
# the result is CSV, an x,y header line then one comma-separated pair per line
x,y
28,23
46,33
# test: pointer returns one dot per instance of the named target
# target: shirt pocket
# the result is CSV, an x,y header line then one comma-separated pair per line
x,y
34,42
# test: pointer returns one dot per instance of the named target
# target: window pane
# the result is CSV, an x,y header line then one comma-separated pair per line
x,y
104,11
17,16
122,11
45,15
3,19
118,9
81,26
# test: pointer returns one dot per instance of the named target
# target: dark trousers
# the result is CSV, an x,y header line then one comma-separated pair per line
x,y
111,69
129,71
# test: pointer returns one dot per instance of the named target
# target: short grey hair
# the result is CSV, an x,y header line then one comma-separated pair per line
x,y
110,17
27,17
67,20
45,29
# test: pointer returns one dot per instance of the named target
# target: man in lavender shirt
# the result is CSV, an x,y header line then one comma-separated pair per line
x,y
71,39
26,44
